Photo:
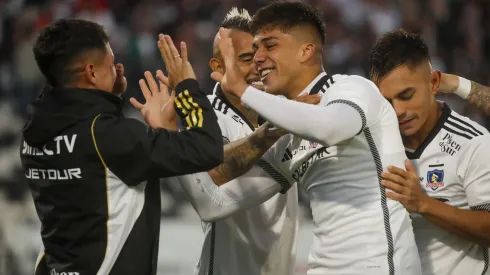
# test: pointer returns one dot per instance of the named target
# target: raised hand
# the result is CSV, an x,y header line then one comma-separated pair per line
x,y
158,110
231,82
121,83
177,64
449,83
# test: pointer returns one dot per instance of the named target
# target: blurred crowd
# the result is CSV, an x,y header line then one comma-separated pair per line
x,y
457,32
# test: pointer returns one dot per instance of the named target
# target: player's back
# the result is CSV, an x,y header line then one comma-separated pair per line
x,y
357,229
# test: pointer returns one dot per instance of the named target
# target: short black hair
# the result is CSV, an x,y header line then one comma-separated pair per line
x,y
395,49
61,42
238,20
287,15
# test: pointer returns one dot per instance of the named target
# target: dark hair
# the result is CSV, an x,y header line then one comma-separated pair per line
x,y
236,19
394,49
287,15
61,42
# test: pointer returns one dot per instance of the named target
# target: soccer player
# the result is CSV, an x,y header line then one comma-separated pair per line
x,y
251,223
337,151
472,91
92,171
450,197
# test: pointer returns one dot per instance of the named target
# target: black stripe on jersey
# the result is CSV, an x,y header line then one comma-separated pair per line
x,y
466,124
221,96
275,175
436,165
482,207
460,128
355,106
446,112
322,82
211,252
456,132
287,156
485,260
384,205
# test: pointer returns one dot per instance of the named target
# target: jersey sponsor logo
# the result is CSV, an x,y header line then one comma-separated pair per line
x,y
435,179
448,145
301,170
288,155
63,144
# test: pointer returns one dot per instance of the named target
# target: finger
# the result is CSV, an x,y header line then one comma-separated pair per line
x,y
163,88
394,178
162,78
394,186
398,171
409,166
183,52
173,49
144,89
152,83
309,99
119,70
136,103
394,196
216,76
164,51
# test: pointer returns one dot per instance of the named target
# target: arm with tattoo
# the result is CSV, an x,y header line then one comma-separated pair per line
x,y
479,95
242,154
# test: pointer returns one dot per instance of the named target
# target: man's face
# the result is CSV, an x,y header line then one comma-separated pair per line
x,y
412,95
105,71
276,58
242,43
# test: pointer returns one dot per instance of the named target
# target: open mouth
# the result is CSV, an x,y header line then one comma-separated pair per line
x,y
264,73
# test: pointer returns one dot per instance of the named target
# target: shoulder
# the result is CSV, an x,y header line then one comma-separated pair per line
x,y
353,86
463,126
354,81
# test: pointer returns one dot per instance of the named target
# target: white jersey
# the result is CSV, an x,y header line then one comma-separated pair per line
x,y
357,230
256,229
454,167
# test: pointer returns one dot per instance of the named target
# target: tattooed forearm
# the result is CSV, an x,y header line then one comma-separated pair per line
x,y
242,154
480,96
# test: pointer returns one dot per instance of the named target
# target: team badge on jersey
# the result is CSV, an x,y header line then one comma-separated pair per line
x,y
313,144
435,179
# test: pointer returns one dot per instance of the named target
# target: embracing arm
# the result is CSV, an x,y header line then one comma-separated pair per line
x,y
472,91
241,155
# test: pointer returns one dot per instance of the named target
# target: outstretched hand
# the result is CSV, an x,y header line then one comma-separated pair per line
x,y
158,110
231,81
177,64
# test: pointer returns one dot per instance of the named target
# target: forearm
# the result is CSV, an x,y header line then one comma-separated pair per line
x,y
473,225
213,203
241,155
480,96
311,122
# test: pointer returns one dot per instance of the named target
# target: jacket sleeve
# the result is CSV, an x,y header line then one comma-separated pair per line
x,y
127,150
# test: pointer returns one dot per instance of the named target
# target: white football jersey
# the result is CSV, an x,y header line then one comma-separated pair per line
x,y
259,240
357,230
453,164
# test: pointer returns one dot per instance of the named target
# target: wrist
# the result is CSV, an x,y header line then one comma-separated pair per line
x,y
464,87
425,205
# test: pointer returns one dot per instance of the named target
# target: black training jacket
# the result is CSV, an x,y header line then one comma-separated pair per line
x,y
94,175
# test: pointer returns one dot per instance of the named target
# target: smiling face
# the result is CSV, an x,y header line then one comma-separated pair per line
x,y
278,57
242,43
411,92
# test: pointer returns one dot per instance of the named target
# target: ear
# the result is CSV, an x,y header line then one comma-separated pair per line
x,y
435,80
89,74
217,65
307,51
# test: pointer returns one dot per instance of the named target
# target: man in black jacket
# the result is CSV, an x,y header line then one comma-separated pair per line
x,y
92,172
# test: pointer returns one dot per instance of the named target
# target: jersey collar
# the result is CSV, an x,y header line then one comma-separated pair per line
x,y
415,154
317,85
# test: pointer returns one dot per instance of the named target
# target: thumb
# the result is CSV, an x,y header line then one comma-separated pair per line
x,y
135,103
409,166
216,76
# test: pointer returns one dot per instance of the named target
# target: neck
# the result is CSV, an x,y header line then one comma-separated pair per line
x,y
414,141
302,82
249,114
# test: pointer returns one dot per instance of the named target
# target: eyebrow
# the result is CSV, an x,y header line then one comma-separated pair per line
x,y
264,40
245,55
406,90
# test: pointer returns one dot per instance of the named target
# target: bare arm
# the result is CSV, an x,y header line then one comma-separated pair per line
x,y
478,94
241,155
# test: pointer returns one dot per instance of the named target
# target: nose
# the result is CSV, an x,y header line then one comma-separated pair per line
x,y
260,56
400,109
